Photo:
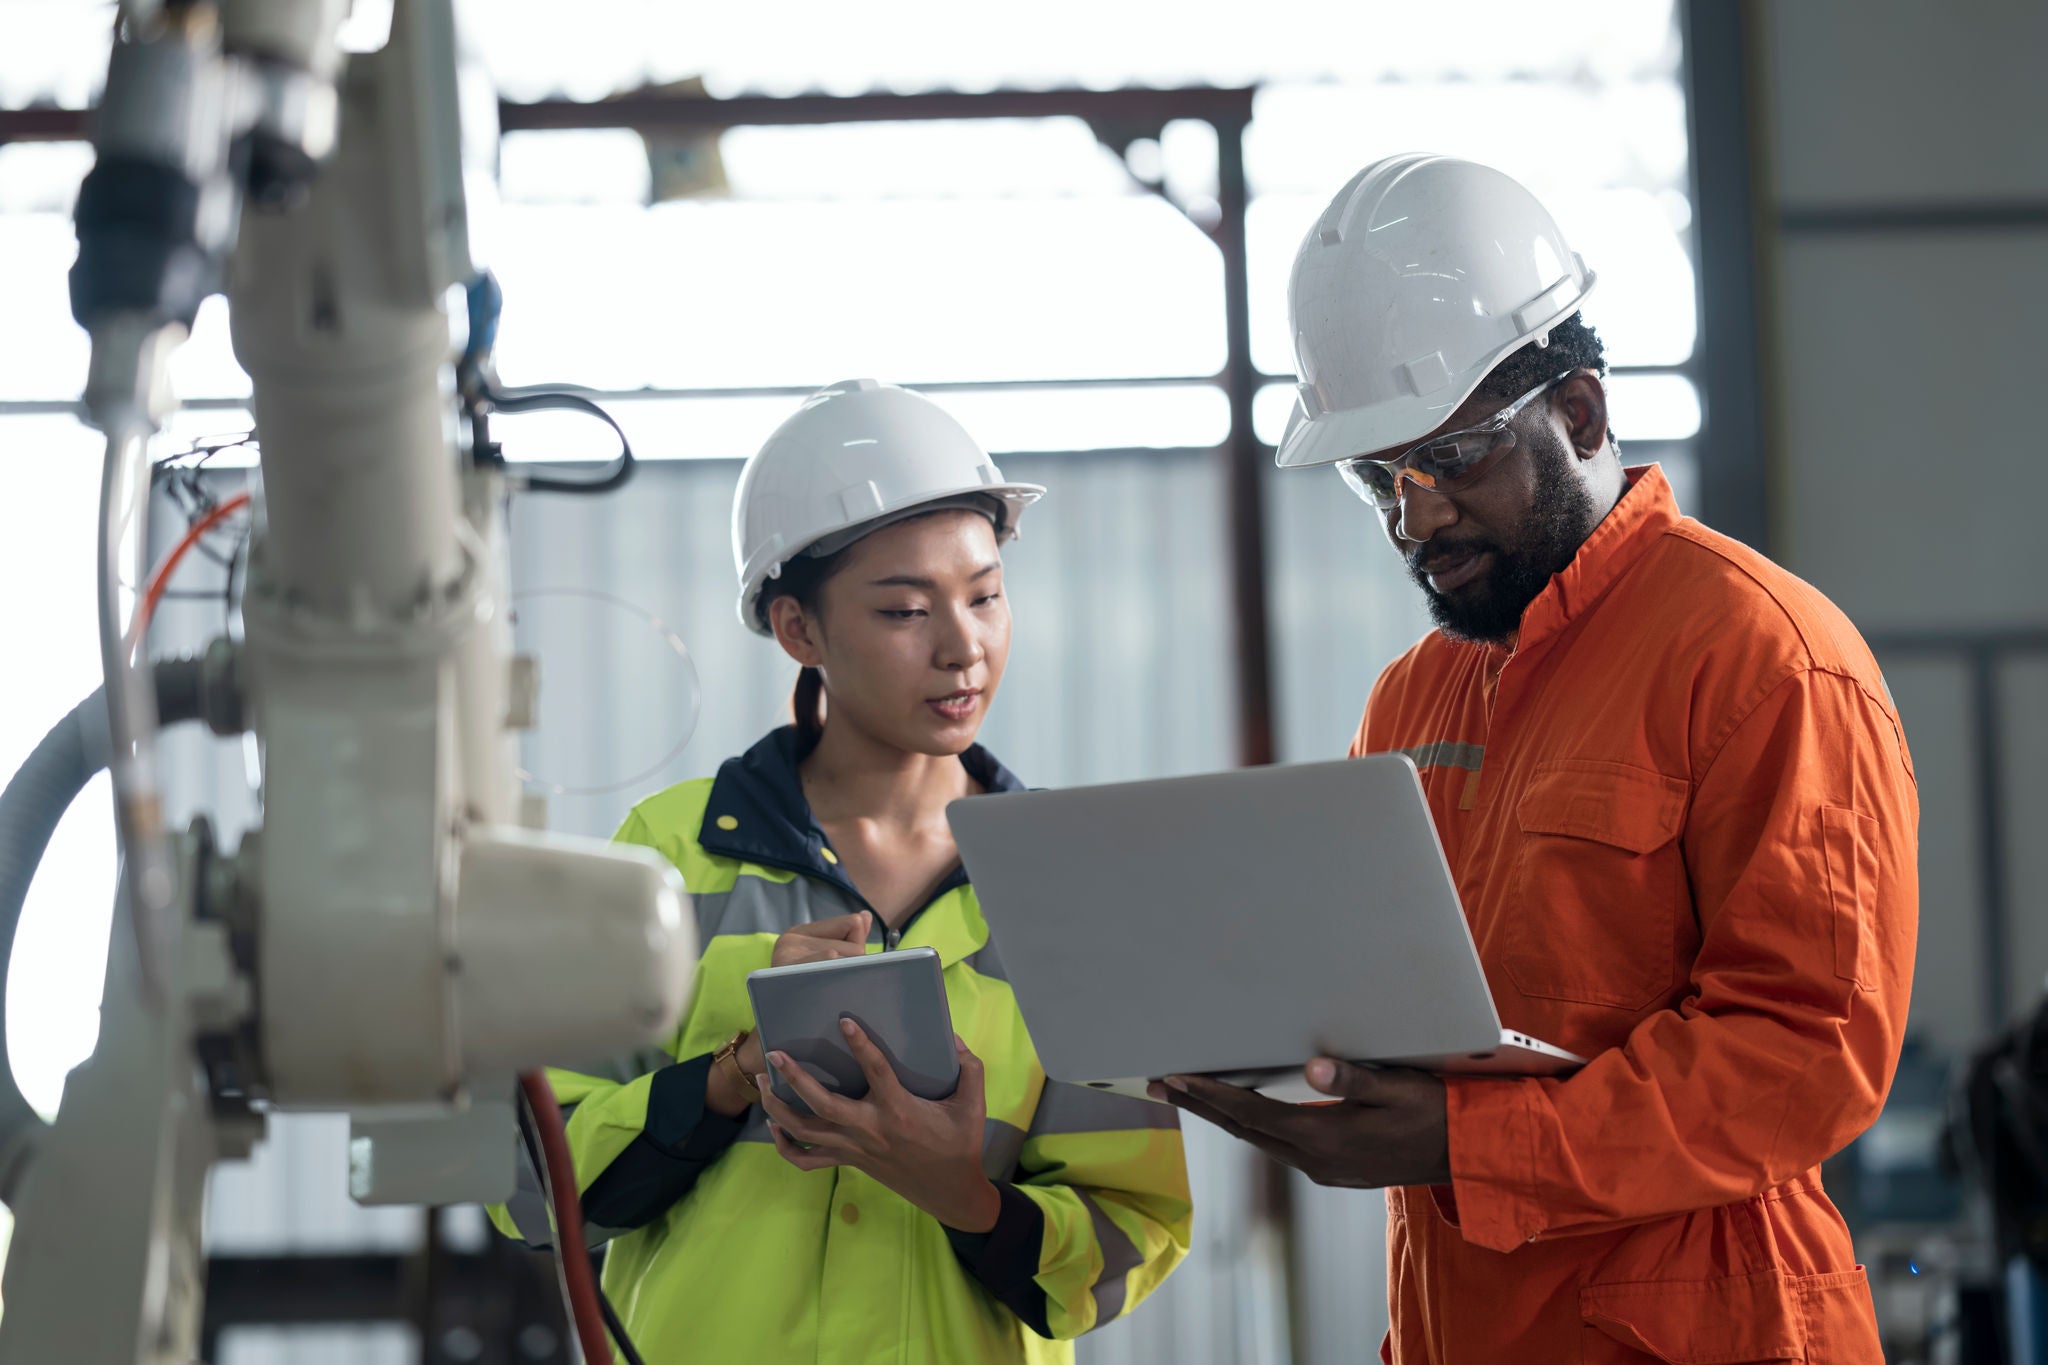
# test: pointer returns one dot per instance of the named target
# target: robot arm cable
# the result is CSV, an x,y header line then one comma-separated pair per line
x,y
516,401
75,750
132,722
160,578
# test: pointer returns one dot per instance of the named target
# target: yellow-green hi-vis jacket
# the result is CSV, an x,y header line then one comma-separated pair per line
x,y
722,1251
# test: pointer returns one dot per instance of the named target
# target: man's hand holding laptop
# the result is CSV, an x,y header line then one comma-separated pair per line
x,y
1387,1126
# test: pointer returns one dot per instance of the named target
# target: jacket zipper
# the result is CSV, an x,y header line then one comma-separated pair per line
x,y
890,937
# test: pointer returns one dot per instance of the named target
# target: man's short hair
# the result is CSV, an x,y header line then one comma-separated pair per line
x,y
1573,346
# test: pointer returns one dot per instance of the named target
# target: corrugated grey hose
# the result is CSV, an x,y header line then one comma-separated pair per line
x,y
74,752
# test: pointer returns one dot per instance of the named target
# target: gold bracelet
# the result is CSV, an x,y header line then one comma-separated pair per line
x,y
730,1054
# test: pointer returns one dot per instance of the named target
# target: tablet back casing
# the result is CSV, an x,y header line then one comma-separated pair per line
x,y
898,998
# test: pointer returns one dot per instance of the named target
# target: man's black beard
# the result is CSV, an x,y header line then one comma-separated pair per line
x,y
1490,611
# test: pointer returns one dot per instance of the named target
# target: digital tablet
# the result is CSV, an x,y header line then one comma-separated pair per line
x,y
898,998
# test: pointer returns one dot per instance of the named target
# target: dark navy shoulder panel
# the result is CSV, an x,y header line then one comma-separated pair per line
x,y
757,811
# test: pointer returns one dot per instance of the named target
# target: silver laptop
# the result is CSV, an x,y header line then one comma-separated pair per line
x,y
1237,924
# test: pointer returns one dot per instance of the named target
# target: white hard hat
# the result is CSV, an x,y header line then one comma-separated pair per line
x,y
1423,274
856,454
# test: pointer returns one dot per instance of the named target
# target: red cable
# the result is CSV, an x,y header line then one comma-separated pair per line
x,y
160,578
569,1244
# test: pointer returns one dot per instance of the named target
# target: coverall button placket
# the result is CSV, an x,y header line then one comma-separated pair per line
x,y
846,1286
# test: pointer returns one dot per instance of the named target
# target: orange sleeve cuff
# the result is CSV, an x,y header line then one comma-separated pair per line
x,y
1493,1132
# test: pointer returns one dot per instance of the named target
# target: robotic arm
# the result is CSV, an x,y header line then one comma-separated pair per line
x,y
390,942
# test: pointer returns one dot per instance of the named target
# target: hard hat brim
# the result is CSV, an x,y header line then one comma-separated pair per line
x,y
1335,436
1332,436
1015,497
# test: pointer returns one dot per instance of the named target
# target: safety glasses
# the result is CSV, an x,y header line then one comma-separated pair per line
x,y
1449,463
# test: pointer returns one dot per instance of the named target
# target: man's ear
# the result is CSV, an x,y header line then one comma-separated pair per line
x,y
795,631
1582,400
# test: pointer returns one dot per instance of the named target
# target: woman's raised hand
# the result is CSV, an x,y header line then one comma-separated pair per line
x,y
823,940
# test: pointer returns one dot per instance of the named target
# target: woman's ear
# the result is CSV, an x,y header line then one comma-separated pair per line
x,y
1583,401
795,631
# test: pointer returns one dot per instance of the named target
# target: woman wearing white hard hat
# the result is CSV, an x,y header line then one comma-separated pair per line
x,y
995,1225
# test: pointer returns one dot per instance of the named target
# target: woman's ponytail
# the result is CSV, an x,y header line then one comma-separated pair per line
x,y
808,702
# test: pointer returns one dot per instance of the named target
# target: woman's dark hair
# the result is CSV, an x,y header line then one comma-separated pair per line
x,y
803,578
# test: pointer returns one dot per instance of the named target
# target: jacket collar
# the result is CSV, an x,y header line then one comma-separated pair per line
x,y
1647,510
757,811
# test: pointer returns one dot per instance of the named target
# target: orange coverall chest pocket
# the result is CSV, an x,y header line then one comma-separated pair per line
x,y
1740,1320
1599,884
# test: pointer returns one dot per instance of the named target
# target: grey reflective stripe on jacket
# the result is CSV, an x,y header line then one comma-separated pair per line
x,y
756,905
528,1206
988,961
1120,1256
1064,1108
1445,753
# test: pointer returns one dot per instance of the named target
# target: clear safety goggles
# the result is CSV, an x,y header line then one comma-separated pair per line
x,y
1449,463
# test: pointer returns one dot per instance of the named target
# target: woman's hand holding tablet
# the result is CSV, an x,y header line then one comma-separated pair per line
x,y
864,1070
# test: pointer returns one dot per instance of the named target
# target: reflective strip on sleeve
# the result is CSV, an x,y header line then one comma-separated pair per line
x,y
1120,1256
987,961
1001,1145
710,910
528,1206
1445,753
528,1209
1066,1108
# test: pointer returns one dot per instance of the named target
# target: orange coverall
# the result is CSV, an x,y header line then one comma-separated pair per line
x,y
1682,818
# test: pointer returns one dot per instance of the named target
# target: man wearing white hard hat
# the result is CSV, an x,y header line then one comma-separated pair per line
x,y
995,1225
1679,807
